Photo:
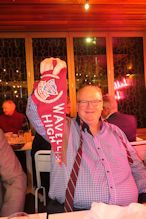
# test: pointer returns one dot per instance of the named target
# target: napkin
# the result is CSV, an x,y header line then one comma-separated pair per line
x,y
105,211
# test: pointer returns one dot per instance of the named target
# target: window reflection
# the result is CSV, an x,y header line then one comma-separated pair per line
x,y
13,77
90,62
45,48
129,66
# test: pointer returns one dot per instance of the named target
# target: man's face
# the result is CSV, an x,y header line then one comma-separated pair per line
x,y
8,108
89,105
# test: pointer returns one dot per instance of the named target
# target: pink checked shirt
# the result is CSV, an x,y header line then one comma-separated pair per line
x,y
105,174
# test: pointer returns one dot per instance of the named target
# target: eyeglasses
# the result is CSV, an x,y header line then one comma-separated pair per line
x,y
85,103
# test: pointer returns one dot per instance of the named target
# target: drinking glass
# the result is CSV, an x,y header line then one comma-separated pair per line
x,y
28,136
20,133
21,136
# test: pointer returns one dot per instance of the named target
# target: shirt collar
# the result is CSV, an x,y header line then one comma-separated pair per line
x,y
85,126
109,115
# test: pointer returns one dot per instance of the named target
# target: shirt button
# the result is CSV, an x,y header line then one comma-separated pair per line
x,y
103,159
107,171
111,187
98,148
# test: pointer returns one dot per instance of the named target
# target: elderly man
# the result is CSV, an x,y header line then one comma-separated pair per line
x,y
127,123
11,120
12,180
98,162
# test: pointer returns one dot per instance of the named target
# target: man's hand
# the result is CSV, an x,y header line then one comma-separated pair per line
x,y
47,64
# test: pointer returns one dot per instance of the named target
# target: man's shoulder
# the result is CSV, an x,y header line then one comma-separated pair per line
x,y
109,126
68,121
122,116
127,116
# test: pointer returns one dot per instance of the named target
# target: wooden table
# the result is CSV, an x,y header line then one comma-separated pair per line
x,y
141,133
142,136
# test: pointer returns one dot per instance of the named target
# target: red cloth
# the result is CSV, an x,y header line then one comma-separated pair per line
x,y
11,123
50,96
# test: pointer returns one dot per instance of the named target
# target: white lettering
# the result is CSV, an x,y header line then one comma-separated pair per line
x,y
59,118
49,125
46,117
54,123
58,108
58,147
58,135
58,141
57,127
52,139
50,131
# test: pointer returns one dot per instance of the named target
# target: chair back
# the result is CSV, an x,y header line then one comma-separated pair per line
x,y
140,148
42,163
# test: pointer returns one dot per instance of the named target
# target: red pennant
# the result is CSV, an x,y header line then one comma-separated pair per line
x,y
50,97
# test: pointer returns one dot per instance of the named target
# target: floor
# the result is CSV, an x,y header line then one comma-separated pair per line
x,y
30,204
30,198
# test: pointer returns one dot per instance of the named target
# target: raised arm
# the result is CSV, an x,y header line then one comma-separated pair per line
x,y
46,108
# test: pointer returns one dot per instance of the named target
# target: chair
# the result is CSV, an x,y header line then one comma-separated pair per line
x,y
42,164
140,148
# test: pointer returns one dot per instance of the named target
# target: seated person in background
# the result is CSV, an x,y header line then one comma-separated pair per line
x,y
12,180
127,123
11,120
109,169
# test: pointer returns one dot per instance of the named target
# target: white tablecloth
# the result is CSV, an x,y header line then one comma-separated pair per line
x,y
71,215
32,216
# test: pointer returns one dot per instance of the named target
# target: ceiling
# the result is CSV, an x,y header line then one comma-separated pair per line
x,y
70,15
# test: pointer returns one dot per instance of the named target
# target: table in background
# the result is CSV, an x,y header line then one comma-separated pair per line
x,y
141,133
27,148
140,144
24,146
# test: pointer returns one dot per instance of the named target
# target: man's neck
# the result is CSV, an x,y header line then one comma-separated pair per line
x,y
95,128
92,128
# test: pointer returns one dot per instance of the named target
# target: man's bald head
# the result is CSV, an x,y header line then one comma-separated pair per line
x,y
86,88
8,107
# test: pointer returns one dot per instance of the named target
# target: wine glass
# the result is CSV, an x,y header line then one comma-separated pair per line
x,y
21,135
